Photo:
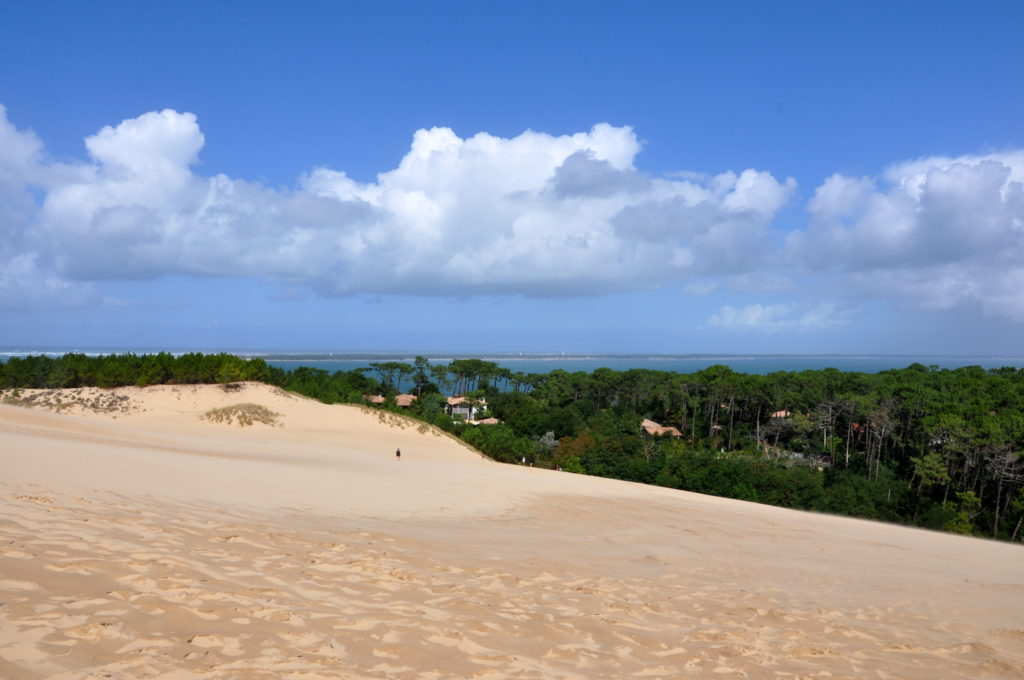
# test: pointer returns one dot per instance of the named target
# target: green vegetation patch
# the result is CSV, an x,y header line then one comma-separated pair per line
x,y
69,400
242,414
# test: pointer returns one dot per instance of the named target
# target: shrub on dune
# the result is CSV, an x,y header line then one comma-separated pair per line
x,y
242,414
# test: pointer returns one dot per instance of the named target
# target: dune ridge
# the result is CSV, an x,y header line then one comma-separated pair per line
x,y
143,541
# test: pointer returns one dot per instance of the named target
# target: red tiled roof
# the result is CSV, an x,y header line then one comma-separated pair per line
x,y
459,399
650,426
653,428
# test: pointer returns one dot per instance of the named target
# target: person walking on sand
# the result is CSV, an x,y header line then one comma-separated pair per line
x,y
398,454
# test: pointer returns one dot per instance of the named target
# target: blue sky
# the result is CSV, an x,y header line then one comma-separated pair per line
x,y
577,177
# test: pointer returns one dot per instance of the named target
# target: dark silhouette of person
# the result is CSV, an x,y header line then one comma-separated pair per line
x,y
398,454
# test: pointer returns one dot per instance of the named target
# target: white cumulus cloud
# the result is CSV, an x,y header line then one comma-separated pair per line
x,y
534,214
776,318
936,233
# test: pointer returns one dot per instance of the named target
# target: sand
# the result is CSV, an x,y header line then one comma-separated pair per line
x,y
138,540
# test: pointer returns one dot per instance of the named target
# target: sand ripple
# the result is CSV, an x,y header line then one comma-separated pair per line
x,y
166,590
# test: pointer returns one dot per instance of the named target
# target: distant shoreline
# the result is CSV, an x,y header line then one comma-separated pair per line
x,y
542,363
525,356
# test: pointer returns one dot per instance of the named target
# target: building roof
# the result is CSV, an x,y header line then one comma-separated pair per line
x,y
374,398
653,428
405,399
649,424
459,399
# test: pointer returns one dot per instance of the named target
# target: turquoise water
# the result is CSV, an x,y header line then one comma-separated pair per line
x,y
760,364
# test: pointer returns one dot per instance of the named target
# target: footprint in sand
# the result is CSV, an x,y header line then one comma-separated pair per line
x,y
69,568
905,648
969,648
301,639
91,602
811,651
229,646
41,500
96,631
145,645
712,636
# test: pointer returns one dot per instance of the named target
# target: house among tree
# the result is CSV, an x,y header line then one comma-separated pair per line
x,y
460,408
374,398
781,414
405,400
653,429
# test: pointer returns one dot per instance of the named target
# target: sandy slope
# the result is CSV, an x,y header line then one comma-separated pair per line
x,y
139,541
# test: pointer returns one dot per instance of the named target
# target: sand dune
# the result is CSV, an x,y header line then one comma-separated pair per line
x,y
138,540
